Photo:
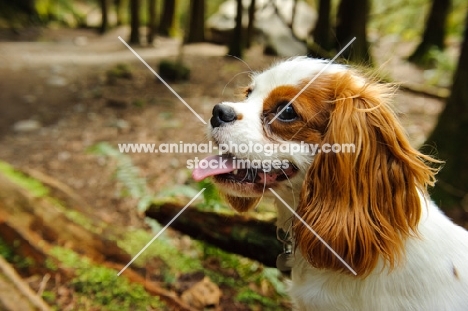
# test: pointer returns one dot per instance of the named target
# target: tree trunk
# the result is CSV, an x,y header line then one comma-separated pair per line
x,y
152,5
451,140
351,22
118,12
105,19
251,24
167,19
321,31
236,46
434,32
135,21
196,30
25,6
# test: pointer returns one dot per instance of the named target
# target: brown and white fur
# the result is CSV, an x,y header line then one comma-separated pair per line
x,y
370,206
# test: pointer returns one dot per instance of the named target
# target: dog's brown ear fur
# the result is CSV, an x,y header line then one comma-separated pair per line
x,y
241,204
363,204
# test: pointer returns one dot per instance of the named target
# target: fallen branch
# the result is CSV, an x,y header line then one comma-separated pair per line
x,y
19,285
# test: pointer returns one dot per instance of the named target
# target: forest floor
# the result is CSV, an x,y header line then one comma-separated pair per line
x,y
57,100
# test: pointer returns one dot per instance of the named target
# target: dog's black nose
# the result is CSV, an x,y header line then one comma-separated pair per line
x,y
222,114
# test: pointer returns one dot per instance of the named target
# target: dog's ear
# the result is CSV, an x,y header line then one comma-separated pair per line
x,y
241,204
362,202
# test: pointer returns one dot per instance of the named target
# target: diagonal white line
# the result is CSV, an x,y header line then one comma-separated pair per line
x,y
312,80
161,79
160,232
312,230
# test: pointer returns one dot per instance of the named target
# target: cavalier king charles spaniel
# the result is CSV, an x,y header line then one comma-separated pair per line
x,y
369,206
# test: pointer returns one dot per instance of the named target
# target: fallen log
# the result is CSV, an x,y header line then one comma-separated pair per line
x,y
37,218
31,226
234,233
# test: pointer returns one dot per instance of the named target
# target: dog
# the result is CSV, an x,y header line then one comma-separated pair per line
x,y
393,249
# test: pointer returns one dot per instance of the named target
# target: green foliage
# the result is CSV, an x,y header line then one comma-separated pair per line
x,y
212,200
251,297
49,297
51,265
173,71
119,71
212,6
248,272
127,173
103,286
140,103
443,67
406,19
35,187
177,261
5,251
274,277
177,191
8,253
399,17
62,11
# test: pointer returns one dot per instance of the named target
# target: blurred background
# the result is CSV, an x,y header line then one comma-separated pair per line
x,y
74,209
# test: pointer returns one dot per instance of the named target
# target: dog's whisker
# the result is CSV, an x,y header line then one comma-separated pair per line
x,y
230,80
243,61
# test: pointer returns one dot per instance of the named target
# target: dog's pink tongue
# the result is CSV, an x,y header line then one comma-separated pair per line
x,y
211,166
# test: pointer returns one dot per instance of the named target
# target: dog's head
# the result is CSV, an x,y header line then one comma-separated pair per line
x,y
363,200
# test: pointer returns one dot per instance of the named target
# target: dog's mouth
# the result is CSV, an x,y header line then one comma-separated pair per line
x,y
229,169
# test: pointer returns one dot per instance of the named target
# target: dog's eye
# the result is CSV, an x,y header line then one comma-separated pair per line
x,y
286,112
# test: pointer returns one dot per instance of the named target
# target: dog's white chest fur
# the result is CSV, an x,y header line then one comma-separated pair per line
x,y
433,277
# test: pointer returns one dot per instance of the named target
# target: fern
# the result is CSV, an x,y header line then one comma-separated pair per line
x,y
127,173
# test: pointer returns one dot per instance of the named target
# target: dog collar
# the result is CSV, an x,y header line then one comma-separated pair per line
x,y
283,260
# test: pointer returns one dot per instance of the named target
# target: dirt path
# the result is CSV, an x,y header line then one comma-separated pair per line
x,y
42,80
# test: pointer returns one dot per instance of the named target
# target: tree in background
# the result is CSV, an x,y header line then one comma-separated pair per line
x,y
18,12
167,18
196,29
104,14
321,32
434,33
351,22
451,139
118,12
236,45
135,21
152,23
251,24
